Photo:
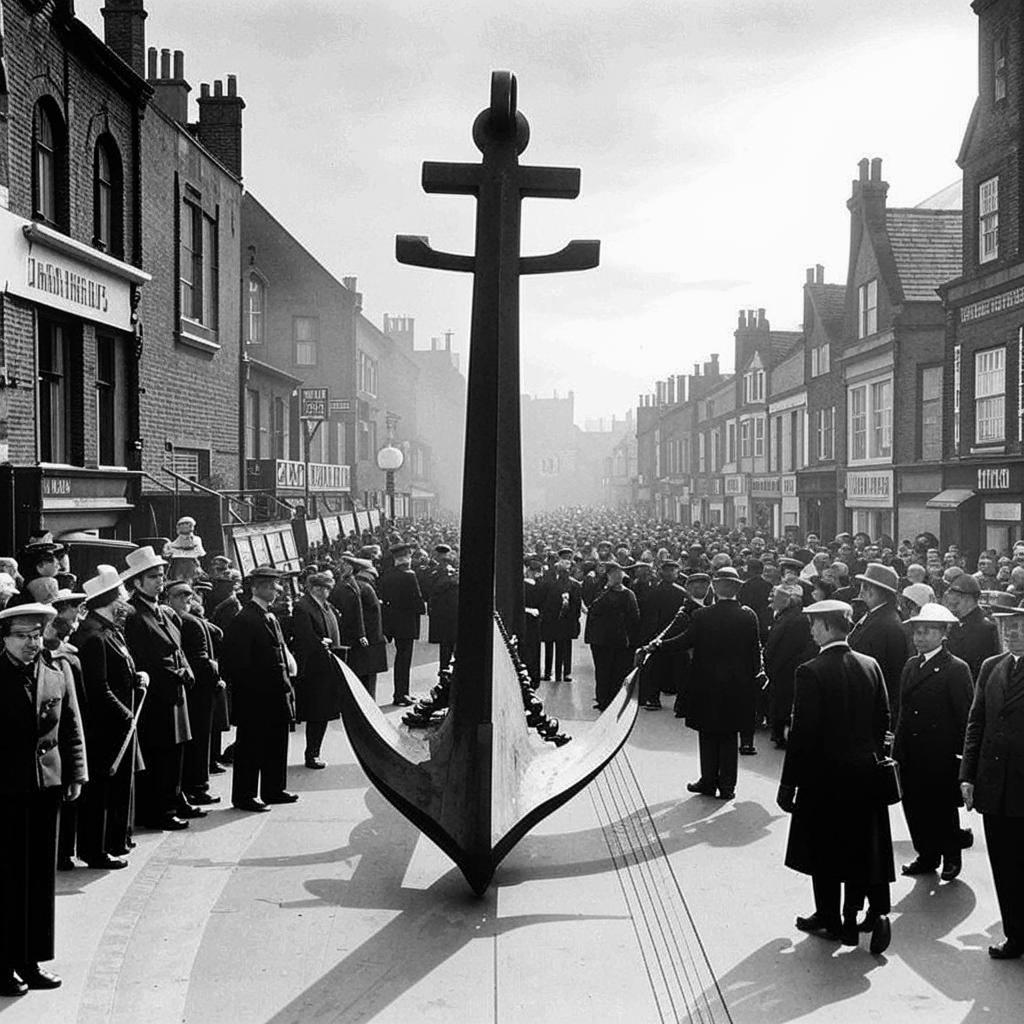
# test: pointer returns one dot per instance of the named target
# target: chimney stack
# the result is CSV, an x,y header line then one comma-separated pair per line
x,y
819,274
869,191
761,319
743,319
170,90
220,123
876,169
810,275
124,32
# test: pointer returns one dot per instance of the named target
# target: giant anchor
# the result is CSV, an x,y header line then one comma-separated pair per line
x,y
478,782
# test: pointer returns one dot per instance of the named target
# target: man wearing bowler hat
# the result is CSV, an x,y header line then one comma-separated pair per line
x,y
880,634
258,666
992,775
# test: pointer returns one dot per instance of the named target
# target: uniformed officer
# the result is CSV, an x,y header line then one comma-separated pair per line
x,y
401,607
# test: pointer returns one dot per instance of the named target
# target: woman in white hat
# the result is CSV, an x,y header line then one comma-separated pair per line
x,y
42,759
935,699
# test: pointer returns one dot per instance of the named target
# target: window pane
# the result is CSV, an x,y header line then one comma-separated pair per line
x,y
991,419
186,259
209,272
255,310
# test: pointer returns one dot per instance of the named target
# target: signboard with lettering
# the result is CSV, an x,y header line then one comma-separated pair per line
x,y
348,523
1003,511
291,476
765,487
869,488
313,403
84,492
994,478
789,486
339,406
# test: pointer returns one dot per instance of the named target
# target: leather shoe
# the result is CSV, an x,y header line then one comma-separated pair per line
x,y
966,838
881,935
188,811
817,925
849,934
35,976
169,823
203,799
403,702
284,797
254,805
11,984
918,867
567,679
65,864
217,769
697,787
315,762
106,863
1006,950
950,868
748,748
727,794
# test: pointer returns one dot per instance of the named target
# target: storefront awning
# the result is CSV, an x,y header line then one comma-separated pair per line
x,y
952,497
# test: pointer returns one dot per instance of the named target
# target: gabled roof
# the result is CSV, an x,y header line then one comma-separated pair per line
x,y
927,246
829,302
949,198
783,343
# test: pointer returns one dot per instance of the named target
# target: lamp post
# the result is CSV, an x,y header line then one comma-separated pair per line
x,y
390,459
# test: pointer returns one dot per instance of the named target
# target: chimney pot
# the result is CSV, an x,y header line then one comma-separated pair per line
x,y
152,57
862,166
743,319
165,64
179,65
204,90
810,275
761,320
232,85
876,169
218,87
819,274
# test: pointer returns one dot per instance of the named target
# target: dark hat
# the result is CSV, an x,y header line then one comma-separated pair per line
x,y
755,565
965,583
604,544
265,572
998,599
397,550
669,564
565,552
883,576
38,550
319,579
533,562
178,587
202,586
793,563
442,549
698,577
727,574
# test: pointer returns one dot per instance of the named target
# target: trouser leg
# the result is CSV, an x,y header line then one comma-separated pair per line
x,y
91,812
549,657
563,657
369,681
315,732
728,762
274,760
445,655
710,752
1005,840
403,664
196,766
245,772
826,898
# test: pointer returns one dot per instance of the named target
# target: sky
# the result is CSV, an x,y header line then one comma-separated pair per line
x,y
717,141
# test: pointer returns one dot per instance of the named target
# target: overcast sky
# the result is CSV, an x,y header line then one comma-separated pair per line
x,y
717,142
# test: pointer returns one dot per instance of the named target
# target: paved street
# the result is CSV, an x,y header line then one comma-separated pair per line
x,y
333,909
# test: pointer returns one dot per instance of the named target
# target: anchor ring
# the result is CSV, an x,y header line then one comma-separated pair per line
x,y
501,121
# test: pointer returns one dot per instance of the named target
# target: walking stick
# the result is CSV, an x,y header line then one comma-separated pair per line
x,y
131,732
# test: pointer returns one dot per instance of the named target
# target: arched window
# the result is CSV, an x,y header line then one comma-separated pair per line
x,y
48,164
108,219
257,310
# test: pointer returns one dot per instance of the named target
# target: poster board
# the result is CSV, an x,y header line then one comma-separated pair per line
x,y
291,549
348,522
332,527
374,518
266,544
243,555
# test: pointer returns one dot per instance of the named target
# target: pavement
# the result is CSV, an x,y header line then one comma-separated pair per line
x,y
634,902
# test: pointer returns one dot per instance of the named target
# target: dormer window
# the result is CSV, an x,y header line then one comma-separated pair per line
x,y
867,305
753,386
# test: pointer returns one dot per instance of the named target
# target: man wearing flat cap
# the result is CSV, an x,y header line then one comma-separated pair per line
x,y
880,633
992,775
976,637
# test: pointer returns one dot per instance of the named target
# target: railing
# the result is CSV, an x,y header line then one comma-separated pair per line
x,y
224,498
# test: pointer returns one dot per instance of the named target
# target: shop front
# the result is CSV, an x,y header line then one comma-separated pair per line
x,y
790,503
981,507
916,514
818,502
737,505
285,480
766,504
870,502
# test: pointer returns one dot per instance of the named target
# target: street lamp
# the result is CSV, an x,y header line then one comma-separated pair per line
x,y
390,459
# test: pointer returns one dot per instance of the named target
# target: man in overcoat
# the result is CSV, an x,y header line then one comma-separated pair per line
x,y
367,659
259,666
839,833
612,623
317,640
976,637
443,606
935,697
42,758
992,775
560,599
664,600
154,641
401,608
788,646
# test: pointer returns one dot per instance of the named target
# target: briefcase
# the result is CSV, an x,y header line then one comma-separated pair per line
x,y
887,779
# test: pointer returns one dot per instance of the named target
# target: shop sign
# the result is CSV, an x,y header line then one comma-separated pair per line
x,y
340,405
1003,511
992,305
65,493
291,476
869,488
994,478
765,487
313,403
734,483
789,486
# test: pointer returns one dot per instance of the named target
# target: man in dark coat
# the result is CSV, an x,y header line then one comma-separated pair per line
x,y
443,606
259,667
935,698
756,594
612,623
366,659
560,602
839,832
724,678
317,642
401,607
528,629
155,644
992,775
880,633
788,646
656,613
42,758
977,636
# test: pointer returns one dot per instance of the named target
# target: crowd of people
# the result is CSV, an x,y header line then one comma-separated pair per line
x,y
118,696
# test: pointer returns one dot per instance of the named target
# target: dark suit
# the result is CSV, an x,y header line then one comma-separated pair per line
x,y
197,643
317,644
612,624
443,606
109,677
788,646
973,639
561,602
726,646
934,703
262,702
528,630
402,605
994,762
155,644
839,831
657,612
756,594
880,635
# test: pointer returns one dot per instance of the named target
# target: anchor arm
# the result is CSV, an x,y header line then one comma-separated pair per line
x,y
415,250
577,255
451,178
549,182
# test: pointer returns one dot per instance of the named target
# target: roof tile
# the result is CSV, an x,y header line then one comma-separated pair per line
x,y
928,248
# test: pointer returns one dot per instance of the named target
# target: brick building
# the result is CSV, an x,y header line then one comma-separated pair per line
x,y
71,253
983,403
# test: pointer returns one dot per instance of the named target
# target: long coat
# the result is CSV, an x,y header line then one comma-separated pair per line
x,y
317,694
401,604
722,678
788,646
255,664
657,613
613,620
994,745
934,704
155,644
840,825
559,619
756,594
360,617
973,639
443,605
880,635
